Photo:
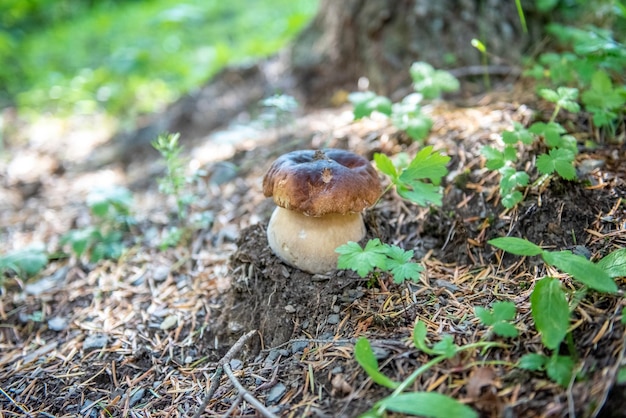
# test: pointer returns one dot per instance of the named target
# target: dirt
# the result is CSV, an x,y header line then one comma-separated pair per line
x,y
117,356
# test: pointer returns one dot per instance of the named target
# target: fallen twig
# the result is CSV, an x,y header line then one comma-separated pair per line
x,y
221,366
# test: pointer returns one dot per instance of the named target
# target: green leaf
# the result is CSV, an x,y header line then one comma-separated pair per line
x,y
426,404
505,329
518,134
495,157
533,362
485,315
430,82
614,264
517,246
549,95
602,95
427,164
403,271
362,260
111,201
367,360
511,179
559,159
511,199
581,269
621,376
367,102
550,311
420,193
26,261
446,347
560,369
504,311
79,240
564,97
419,337
385,165
550,131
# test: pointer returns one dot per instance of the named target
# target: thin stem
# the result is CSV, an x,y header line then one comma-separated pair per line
x,y
520,13
556,112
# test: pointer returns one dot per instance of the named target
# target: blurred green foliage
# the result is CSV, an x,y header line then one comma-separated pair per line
x,y
133,56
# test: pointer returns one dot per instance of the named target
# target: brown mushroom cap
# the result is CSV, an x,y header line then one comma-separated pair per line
x,y
317,183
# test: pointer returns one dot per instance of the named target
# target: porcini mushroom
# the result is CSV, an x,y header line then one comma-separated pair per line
x,y
319,196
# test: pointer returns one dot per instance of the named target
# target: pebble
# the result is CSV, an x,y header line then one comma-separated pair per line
x,y
276,393
284,352
169,322
136,396
57,323
333,319
95,341
236,364
290,309
299,346
160,273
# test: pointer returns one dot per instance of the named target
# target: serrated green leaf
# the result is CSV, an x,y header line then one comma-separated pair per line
x,y
614,264
517,246
601,94
504,311
420,193
110,201
426,404
518,134
505,329
550,131
403,271
559,160
418,127
511,179
509,200
362,260
427,164
485,315
533,362
495,157
385,165
550,311
560,369
364,355
510,153
581,269
430,82
549,95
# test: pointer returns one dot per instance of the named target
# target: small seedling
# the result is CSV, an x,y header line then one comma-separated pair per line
x,y
174,182
484,58
498,318
407,115
110,210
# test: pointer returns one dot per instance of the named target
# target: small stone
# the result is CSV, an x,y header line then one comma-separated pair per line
x,y
443,283
276,393
333,319
290,309
236,364
299,346
337,370
169,322
57,323
271,356
160,273
234,327
284,352
95,341
336,309
380,353
136,396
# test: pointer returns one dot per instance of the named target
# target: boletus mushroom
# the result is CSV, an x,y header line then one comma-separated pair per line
x,y
319,196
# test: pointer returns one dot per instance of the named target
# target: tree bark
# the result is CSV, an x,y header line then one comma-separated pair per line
x,y
379,39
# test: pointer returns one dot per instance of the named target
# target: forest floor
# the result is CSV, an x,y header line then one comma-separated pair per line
x,y
143,335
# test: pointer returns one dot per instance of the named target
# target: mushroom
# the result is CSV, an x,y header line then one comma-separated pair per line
x,y
319,196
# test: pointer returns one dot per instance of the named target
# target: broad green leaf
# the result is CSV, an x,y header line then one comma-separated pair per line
x,y
485,315
560,369
546,5
417,127
385,165
367,360
420,193
621,376
581,269
614,264
533,362
504,311
550,311
430,82
427,404
362,260
518,134
512,179
517,246
511,199
367,102
404,271
26,261
601,94
79,240
549,95
550,131
505,329
110,201
564,97
427,164
510,153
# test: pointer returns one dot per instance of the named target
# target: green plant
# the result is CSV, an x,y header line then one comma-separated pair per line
x,y
407,115
484,60
498,318
110,210
25,262
550,308
427,404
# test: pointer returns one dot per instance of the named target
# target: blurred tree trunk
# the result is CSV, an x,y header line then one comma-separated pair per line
x,y
379,39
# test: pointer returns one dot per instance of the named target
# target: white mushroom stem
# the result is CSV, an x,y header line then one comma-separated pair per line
x,y
308,242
